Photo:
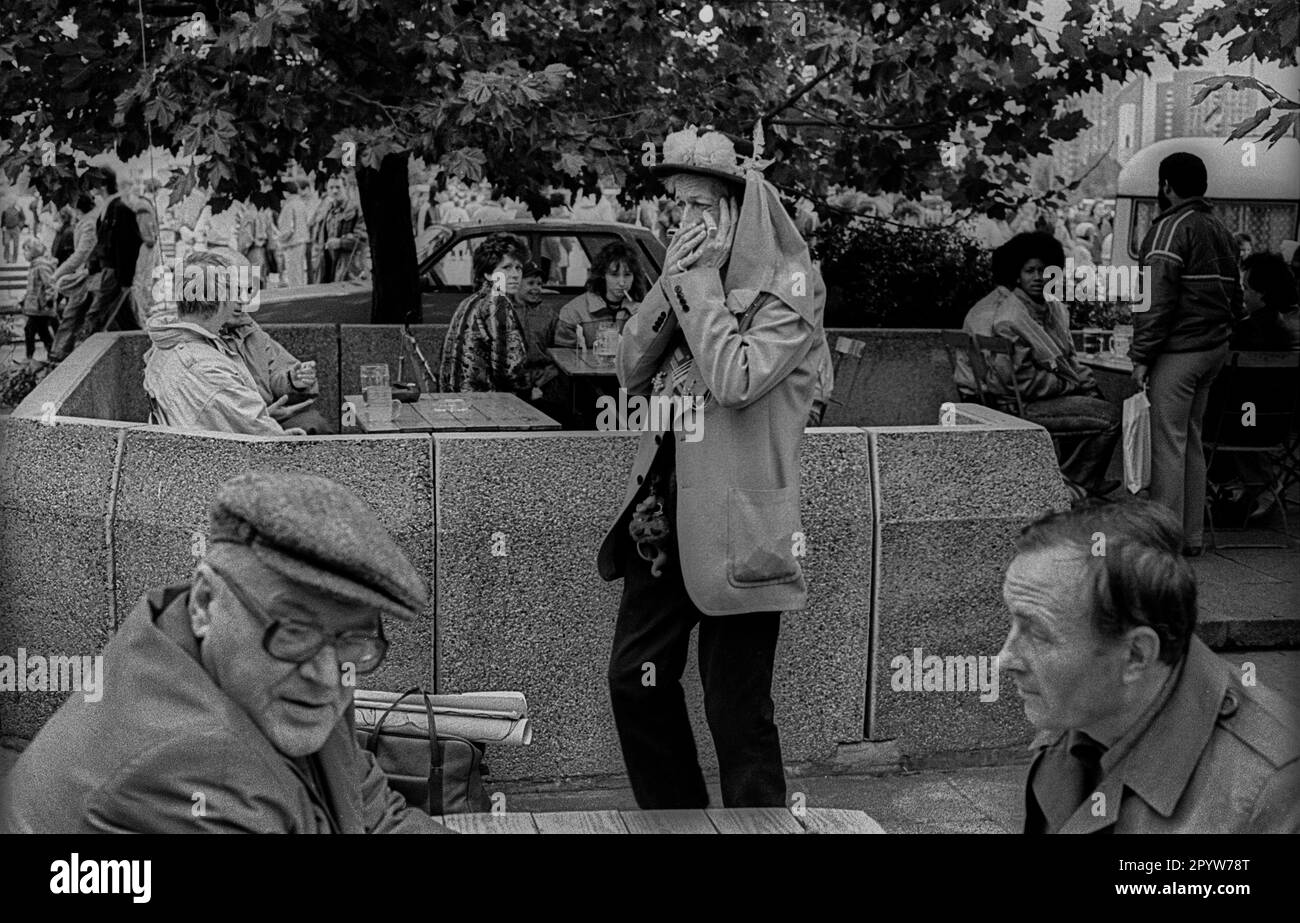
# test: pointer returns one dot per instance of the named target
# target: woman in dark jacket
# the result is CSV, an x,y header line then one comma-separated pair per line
x,y
63,245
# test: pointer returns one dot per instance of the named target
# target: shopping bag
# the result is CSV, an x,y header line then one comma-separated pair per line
x,y
1137,442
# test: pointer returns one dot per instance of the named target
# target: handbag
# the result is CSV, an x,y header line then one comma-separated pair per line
x,y
439,774
1137,442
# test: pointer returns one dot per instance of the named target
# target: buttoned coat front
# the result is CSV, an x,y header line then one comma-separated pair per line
x,y
1218,757
757,357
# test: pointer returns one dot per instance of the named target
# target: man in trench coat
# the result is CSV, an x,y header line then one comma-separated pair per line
x,y
709,529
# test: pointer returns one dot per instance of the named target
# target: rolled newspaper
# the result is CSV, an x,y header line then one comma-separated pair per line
x,y
483,717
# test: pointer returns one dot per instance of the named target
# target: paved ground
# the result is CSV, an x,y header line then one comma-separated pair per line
x,y
1250,597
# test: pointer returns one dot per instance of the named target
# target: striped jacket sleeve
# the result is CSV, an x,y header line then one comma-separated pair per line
x,y
1164,255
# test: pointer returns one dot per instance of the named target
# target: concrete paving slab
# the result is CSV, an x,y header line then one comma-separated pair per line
x,y
1279,563
1222,569
1250,615
997,792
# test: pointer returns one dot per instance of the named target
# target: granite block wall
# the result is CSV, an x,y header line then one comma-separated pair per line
x,y
83,385
318,343
907,529
361,344
950,501
520,605
55,597
900,379
535,616
168,482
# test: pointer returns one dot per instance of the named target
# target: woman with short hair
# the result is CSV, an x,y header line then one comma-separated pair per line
x,y
485,349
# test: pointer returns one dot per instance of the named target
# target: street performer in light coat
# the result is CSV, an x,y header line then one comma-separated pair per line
x,y
709,530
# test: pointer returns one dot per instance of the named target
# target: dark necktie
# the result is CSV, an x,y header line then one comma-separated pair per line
x,y
1087,754
1063,782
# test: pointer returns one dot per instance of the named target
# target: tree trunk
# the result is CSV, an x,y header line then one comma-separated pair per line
x,y
386,205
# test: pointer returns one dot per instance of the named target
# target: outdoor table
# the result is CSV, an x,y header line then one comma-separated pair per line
x,y
476,411
1114,374
707,821
1108,362
578,363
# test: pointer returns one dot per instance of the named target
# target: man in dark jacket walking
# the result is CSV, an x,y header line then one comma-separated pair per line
x,y
1180,343
112,262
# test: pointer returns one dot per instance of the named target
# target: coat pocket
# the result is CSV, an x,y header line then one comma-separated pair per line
x,y
760,536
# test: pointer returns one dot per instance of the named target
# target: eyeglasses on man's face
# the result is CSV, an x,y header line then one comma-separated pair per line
x,y
298,640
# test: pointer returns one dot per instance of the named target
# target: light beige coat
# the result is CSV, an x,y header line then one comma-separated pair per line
x,y
738,485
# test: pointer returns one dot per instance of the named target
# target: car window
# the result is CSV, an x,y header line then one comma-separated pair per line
x,y
454,269
576,253
571,256
431,239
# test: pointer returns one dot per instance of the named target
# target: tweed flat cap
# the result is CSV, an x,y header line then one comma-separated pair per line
x,y
316,533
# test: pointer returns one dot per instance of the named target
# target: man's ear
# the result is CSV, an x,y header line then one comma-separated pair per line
x,y
201,596
1143,653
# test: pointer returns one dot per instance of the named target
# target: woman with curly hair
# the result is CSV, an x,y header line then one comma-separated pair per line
x,y
614,287
485,349
1059,392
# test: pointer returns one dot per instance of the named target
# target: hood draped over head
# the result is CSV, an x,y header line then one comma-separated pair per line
x,y
768,254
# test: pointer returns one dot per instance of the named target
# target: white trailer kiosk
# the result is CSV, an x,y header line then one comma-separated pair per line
x,y
1254,188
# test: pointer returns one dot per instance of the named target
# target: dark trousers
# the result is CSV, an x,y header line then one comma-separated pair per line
x,y
38,327
1086,429
737,652
104,306
70,319
10,237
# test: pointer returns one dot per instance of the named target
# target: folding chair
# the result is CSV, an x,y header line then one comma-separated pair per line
x,y
156,416
1252,411
978,352
843,347
982,352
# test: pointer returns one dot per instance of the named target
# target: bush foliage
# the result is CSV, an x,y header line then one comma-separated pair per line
x,y
884,275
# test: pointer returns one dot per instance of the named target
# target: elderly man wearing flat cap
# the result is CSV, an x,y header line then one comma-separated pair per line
x,y
709,527
227,701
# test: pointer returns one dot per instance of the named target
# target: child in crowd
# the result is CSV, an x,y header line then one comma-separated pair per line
x,y
38,304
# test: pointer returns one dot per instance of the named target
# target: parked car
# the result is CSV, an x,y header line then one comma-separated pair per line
x,y
446,263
